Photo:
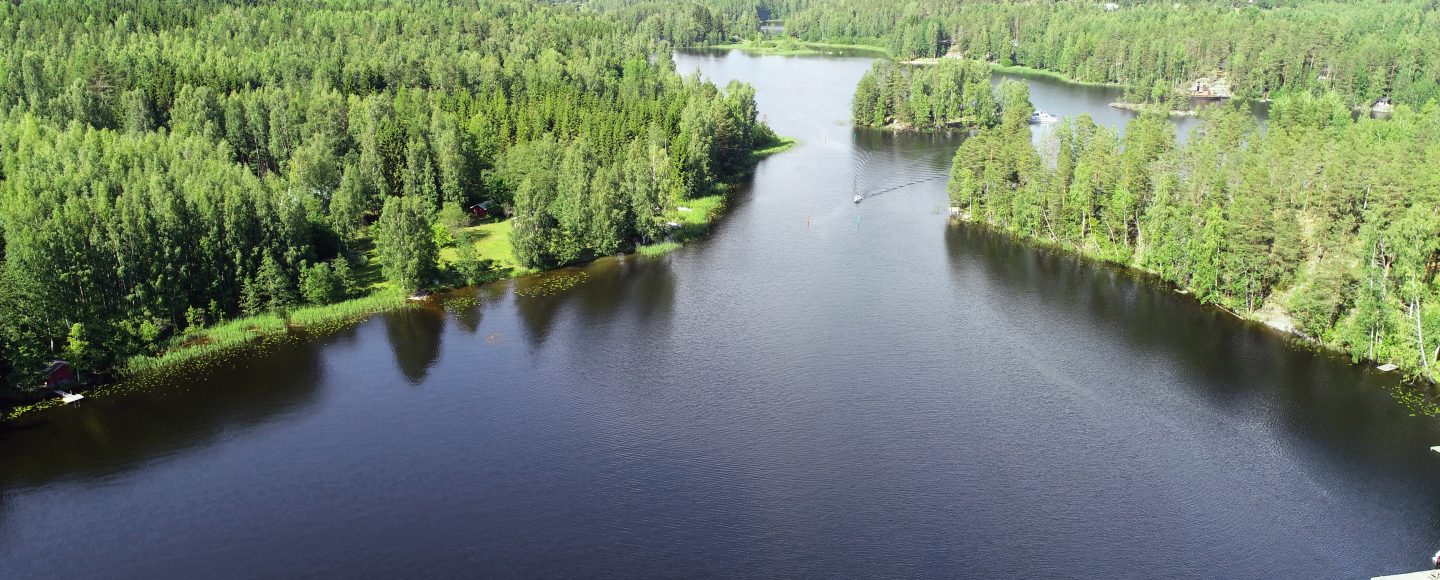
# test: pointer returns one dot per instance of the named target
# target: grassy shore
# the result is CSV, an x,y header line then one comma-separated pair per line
x,y
1037,72
694,222
241,331
785,144
210,343
699,213
492,242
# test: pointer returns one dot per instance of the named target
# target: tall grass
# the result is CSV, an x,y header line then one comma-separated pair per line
x,y
784,144
242,331
209,341
321,318
657,248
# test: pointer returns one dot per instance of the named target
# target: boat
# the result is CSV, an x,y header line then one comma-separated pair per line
x,y
1042,118
858,198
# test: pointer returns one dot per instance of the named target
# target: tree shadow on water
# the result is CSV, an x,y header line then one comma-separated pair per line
x,y
1238,367
415,336
606,290
467,309
178,410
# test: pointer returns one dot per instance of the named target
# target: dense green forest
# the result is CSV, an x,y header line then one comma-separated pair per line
x,y
1324,222
166,165
1363,50
688,23
951,94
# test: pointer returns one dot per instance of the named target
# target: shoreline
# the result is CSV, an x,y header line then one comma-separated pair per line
x,y
905,128
798,48
701,212
1141,107
223,338
817,48
1028,71
252,330
1017,69
1279,322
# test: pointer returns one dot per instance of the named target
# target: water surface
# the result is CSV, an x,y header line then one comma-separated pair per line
x,y
818,389
1070,100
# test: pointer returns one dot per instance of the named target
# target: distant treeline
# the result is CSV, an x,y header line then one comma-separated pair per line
x,y
167,164
1363,50
950,94
1330,222
688,23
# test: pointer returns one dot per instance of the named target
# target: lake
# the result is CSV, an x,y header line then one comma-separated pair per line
x,y
818,389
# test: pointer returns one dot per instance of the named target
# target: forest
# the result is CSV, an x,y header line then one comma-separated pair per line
x,y
1321,222
951,94
1361,50
168,165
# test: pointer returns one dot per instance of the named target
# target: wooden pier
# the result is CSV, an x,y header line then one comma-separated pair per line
x,y
1426,575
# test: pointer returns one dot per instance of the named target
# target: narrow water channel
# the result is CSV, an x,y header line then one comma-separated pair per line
x,y
818,389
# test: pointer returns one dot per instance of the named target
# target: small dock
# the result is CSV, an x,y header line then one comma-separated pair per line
x,y
68,398
1426,575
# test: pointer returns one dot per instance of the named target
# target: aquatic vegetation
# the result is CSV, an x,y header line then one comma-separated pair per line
x,y
461,303
206,344
209,341
1415,398
657,249
38,406
321,318
551,284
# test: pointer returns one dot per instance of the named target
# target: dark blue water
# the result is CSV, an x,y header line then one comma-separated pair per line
x,y
818,389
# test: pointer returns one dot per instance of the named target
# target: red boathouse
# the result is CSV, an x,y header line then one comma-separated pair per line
x,y
59,374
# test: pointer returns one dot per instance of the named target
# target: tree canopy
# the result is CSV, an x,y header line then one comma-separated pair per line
x,y
1362,50
1329,222
949,94
167,164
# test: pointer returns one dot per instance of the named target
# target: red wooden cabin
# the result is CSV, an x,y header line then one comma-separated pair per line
x,y
59,374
